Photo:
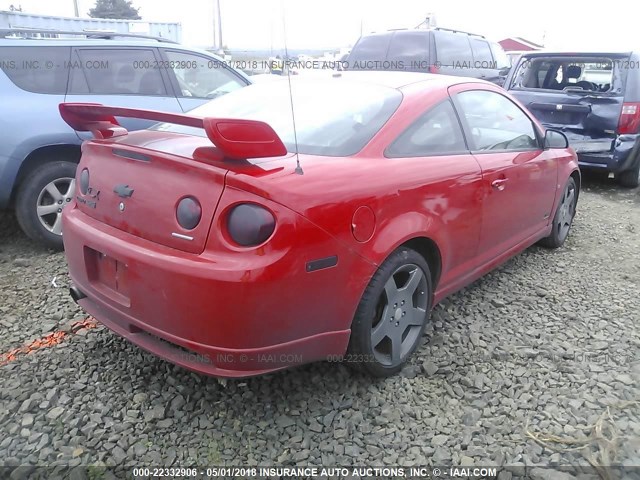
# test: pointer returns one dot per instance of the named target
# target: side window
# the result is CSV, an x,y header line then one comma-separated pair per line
x,y
437,132
481,52
201,77
495,122
452,49
37,69
117,72
411,48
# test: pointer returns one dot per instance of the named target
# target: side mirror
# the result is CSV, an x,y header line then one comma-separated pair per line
x,y
555,139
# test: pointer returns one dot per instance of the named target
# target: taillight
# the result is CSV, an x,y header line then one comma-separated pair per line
x,y
250,225
629,119
188,213
433,68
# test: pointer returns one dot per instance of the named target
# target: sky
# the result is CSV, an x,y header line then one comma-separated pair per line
x,y
326,24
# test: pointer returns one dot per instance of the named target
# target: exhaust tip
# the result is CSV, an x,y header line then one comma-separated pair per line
x,y
76,294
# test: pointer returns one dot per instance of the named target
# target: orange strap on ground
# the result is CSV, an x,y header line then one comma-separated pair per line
x,y
48,340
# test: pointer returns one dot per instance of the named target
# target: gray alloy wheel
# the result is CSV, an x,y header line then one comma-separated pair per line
x,y
400,315
41,198
566,212
52,200
392,314
563,218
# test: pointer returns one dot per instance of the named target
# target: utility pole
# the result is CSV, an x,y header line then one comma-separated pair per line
x,y
75,8
217,26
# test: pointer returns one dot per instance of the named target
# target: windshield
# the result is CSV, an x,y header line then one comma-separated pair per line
x,y
332,117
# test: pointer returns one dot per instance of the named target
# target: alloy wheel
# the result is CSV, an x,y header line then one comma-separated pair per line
x,y
52,200
400,313
567,211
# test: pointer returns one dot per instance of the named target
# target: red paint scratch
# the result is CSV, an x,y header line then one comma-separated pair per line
x,y
49,340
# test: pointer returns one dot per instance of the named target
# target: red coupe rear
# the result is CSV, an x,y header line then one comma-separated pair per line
x,y
241,239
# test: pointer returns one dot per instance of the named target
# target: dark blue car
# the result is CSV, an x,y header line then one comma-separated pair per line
x,y
594,98
39,151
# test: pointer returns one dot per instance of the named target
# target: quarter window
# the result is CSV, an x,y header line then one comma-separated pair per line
x,y
37,69
437,132
495,122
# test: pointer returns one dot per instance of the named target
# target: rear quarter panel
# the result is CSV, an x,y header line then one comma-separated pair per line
x,y
409,197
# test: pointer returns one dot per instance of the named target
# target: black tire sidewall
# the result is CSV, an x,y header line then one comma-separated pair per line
x,y
554,240
629,179
27,200
360,352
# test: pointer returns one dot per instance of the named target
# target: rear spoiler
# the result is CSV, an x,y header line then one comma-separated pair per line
x,y
235,139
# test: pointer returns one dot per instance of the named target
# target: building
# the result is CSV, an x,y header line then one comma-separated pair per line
x,y
518,44
27,21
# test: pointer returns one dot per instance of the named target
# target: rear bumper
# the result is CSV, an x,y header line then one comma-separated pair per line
x,y
623,155
227,317
212,360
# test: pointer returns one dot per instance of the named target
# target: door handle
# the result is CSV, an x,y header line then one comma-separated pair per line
x,y
499,184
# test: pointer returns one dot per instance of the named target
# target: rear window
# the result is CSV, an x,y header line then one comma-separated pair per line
x,y
452,49
37,69
581,74
370,49
332,118
500,57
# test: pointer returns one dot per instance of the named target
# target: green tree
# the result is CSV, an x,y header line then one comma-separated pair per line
x,y
119,9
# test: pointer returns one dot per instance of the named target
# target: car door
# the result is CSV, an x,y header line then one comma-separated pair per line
x,y
519,176
121,77
197,79
433,154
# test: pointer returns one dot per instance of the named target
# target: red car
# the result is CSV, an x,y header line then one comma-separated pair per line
x,y
210,242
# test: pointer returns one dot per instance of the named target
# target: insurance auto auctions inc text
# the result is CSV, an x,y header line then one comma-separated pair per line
x,y
376,472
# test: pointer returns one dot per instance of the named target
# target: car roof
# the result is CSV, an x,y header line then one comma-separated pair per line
x,y
384,78
99,42
574,53
401,80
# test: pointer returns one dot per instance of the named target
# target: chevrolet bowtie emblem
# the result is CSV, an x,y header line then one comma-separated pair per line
x,y
123,191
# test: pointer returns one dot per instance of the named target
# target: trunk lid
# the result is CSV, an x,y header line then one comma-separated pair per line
x,y
579,95
136,182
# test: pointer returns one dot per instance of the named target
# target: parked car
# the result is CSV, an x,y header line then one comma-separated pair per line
x,y
437,50
231,243
38,151
514,55
594,98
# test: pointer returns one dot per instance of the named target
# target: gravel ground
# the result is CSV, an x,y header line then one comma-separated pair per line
x,y
547,346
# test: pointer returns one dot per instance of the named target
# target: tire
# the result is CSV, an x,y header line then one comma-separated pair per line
x,y
595,175
563,218
630,178
400,289
38,206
